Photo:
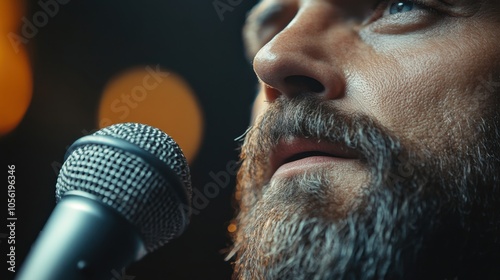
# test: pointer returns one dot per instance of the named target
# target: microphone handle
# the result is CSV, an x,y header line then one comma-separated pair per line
x,y
83,239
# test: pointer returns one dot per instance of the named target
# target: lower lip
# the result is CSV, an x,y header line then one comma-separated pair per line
x,y
301,165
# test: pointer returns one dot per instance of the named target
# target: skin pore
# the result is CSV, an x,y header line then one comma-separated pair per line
x,y
396,104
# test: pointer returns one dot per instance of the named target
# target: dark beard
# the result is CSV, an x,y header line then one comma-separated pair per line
x,y
424,214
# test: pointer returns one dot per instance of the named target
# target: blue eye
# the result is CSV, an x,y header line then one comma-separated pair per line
x,y
400,7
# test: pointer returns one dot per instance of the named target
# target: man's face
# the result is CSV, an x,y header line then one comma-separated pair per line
x,y
375,145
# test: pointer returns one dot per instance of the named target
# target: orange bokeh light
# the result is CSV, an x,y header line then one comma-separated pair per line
x,y
11,12
232,228
16,83
158,98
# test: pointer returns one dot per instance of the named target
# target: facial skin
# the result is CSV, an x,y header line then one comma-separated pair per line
x,y
375,148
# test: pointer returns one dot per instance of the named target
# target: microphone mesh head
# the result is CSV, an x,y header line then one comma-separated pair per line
x,y
129,184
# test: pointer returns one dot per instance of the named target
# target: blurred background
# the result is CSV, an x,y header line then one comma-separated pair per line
x,y
70,67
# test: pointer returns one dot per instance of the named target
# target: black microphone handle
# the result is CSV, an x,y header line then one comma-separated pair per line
x,y
83,239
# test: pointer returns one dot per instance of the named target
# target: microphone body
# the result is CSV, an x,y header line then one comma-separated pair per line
x,y
121,193
83,239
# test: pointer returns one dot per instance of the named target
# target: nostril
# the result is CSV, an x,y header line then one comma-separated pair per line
x,y
304,84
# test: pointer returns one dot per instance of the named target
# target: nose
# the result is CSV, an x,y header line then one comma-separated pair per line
x,y
301,59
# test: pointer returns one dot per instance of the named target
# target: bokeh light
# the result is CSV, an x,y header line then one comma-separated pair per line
x,y
156,97
11,13
232,227
16,82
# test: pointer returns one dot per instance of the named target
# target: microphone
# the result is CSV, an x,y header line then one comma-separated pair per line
x,y
122,193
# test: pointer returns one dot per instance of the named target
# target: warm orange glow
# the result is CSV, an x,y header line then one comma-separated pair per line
x,y
16,82
232,228
158,98
11,13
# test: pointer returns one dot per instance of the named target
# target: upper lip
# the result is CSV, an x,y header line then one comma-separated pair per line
x,y
298,148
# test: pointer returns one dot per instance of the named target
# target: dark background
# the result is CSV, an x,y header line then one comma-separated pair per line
x,y
75,55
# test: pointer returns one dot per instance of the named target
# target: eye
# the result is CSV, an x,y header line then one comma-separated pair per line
x,y
395,17
392,7
400,7
388,8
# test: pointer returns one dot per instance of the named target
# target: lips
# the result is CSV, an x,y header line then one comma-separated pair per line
x,y
306,152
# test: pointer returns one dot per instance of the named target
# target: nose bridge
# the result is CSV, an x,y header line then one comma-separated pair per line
x,y
304,49
309,26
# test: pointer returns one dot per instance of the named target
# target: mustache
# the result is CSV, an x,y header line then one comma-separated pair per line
x,y
307,116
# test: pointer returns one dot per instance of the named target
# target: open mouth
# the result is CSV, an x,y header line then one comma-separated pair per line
x,y
299,152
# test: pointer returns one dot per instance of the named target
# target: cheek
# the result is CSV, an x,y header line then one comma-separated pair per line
x,y
406,97
428,96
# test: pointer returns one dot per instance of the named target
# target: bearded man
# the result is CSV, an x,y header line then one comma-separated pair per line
x,y
375,151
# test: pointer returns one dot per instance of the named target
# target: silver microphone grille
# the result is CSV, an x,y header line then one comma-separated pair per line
x,y
139,171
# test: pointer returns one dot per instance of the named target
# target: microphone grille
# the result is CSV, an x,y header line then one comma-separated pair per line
x,y
139,171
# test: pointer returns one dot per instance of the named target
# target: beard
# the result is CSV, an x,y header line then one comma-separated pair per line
x,y
421,213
